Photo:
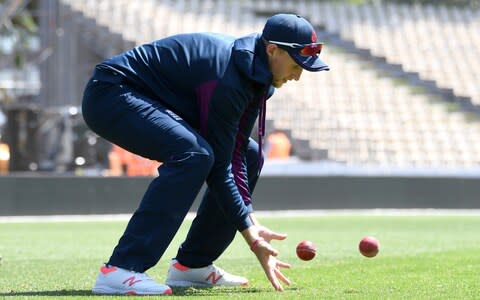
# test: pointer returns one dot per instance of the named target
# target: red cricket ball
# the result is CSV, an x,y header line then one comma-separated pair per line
x,y
306,250
369,246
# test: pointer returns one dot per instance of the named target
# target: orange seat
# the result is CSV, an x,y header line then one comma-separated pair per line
x,y
123,162
4,158
279,145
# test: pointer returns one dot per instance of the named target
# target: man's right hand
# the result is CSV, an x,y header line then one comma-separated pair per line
x,y
266,255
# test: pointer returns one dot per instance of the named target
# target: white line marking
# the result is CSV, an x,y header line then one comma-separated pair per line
x,y
261,214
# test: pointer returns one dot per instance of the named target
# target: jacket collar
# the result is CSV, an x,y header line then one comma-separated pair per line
x,y
250,57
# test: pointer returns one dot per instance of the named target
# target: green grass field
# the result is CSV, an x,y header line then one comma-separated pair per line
x,y
435,257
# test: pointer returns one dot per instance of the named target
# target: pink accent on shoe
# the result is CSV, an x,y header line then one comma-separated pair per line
x,y
244,284
180,267
130,293
105,270
168,292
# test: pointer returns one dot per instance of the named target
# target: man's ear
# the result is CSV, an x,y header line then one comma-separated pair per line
x,y
271,48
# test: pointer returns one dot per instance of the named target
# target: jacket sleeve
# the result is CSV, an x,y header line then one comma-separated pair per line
x,y
230,110
239,159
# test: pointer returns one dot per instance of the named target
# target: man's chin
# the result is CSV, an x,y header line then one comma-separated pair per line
x,y
277,84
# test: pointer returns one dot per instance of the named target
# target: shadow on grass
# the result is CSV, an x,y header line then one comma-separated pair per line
x,y
209,291
218,291
48,293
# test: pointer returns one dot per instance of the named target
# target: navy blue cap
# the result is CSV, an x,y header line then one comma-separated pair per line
x,y
293,33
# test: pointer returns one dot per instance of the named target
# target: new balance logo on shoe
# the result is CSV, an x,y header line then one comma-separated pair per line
x,y
213,277
131,281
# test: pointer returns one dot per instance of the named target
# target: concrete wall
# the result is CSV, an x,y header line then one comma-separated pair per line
x,y
26,195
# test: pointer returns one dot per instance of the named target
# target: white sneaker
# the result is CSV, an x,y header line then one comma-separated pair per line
x,y
115,280
182,276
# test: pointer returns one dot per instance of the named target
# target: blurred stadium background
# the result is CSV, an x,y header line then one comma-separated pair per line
x,y
394,124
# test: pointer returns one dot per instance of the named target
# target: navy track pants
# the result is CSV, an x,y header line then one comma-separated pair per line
x,y
144,126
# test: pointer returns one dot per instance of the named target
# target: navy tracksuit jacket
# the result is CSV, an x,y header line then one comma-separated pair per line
x,y
190,101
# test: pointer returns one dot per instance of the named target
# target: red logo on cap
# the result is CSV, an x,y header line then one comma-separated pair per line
x,y
314,37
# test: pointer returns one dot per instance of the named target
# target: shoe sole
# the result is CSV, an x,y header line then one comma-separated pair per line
x,y
110,291
181,283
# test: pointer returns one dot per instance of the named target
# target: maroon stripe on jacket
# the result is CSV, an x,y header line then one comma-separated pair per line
x,y
204,94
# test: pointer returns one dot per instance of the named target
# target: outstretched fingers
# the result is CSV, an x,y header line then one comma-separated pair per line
x,y
281,264
270,235
272,251
282,277
277,236
273,279
266,255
